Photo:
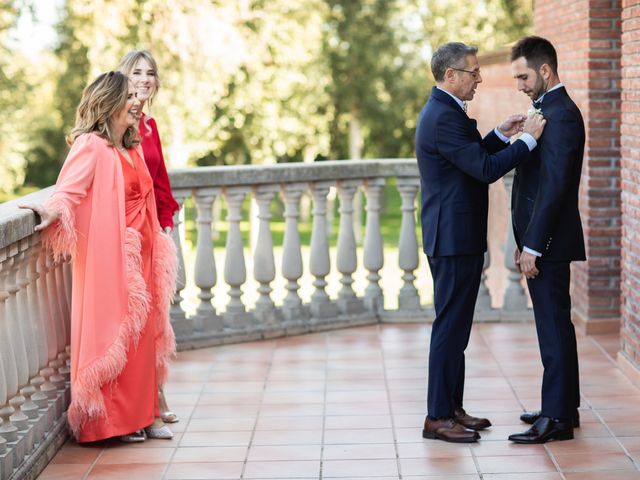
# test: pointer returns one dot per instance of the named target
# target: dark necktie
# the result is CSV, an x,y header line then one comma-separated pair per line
x,y
537,104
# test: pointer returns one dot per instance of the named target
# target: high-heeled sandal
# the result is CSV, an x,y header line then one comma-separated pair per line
x,y
166,415
162,432
133,437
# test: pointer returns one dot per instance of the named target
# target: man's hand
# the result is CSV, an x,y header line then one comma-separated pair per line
x,y
534,125
527,262
512,125
516,258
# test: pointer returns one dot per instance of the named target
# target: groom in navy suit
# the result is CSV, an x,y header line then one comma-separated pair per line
x,y
456,165
548,232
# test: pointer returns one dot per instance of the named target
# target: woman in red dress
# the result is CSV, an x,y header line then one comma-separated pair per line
x,y
141,68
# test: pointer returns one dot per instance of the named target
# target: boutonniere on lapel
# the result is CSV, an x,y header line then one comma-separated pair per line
x,y
534,111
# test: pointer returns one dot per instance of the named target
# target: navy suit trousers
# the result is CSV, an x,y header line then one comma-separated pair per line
x,y
557,339
456,280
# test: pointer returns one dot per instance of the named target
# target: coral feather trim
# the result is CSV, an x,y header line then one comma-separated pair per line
x,y
165,272
87,401
61,237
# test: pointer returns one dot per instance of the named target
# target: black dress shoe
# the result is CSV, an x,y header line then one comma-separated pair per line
x,y
531,417
544,430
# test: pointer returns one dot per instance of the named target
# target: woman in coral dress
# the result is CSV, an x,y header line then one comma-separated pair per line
x,y
102,213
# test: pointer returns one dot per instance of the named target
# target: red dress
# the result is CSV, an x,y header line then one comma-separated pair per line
x,y
152,149
131,401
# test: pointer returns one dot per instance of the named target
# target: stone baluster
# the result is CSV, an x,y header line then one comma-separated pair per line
x,y
9,372
29,314
37,395
63,314
264,267
483,302
206,318
54,307
35,300
54,381
63,299
235,270
44,289
292,307
515,299
408,298
3,340
16,319
373,248
182,326
346,260
319,261
66,280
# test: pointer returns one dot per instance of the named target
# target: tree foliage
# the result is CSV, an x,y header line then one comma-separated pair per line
x,y
242,81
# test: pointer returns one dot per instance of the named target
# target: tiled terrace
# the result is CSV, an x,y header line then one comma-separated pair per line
x,y
350,403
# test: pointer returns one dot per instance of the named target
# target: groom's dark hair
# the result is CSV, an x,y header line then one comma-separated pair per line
x,y
536,51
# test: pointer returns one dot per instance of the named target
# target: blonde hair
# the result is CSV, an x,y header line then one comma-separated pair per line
x,y
101,100
128,63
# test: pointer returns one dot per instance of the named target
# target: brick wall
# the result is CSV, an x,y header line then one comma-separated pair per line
x,y
629,355
587,36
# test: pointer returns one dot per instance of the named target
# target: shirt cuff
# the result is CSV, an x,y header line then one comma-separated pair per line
x,y
532,252
500,135
529,140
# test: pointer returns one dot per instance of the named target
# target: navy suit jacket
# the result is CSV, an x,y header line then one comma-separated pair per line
x,y
456,165
544,200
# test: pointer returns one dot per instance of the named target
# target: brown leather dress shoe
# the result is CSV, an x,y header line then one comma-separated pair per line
x,y
472,423
448,430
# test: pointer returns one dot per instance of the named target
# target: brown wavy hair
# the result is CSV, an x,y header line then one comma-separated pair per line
x,y
101,100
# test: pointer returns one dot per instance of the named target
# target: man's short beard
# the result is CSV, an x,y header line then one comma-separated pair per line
x,y
543,86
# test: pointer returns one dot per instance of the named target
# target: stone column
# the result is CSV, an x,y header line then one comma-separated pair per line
x,y
408,299
292,308
347,261
319,261
264,267
373,248
182,326
205,319
235,271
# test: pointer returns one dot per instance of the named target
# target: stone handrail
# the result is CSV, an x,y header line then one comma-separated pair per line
x,y
35,291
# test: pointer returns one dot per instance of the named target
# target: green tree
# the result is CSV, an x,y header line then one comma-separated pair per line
x,y
489,24
378,77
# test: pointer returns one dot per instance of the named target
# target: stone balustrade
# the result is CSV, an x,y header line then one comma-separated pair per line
x,y
204,186
35,302
35,290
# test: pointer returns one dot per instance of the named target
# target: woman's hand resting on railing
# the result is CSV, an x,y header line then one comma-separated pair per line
x,y
47,217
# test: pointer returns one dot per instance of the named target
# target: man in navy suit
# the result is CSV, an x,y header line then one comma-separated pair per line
x,y
548,232
456,165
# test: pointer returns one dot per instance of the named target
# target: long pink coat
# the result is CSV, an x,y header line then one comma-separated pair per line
x,y
110,301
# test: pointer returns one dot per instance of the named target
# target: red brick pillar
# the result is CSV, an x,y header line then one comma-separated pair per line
x,y
587,36
629,355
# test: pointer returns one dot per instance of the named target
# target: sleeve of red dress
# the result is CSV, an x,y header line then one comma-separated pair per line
x,y
166,204
74,181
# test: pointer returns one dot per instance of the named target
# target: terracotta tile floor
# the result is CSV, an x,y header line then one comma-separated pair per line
x,y
349,404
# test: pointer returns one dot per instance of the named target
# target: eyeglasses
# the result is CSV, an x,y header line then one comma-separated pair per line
x,y
474,73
